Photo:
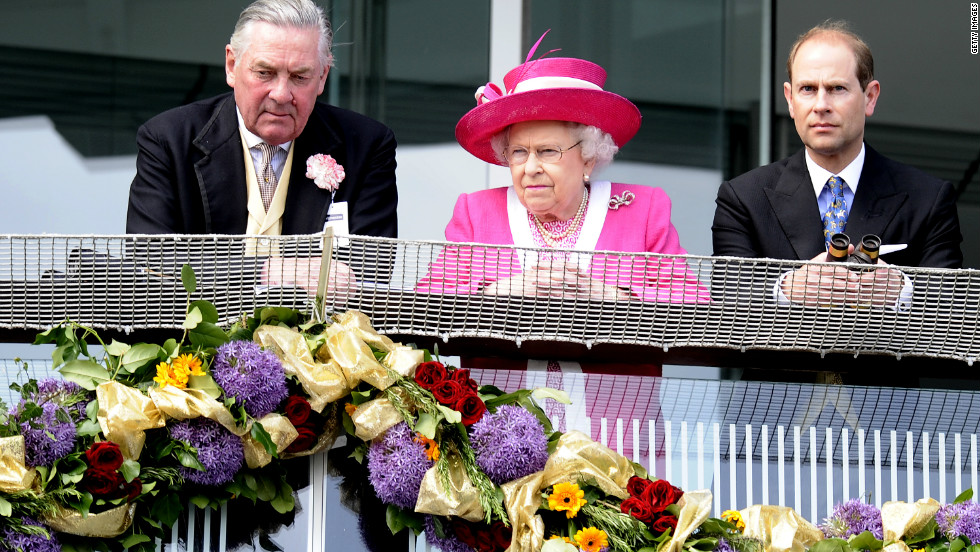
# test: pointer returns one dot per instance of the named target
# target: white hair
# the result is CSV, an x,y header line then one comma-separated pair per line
x,y
596,145
297,14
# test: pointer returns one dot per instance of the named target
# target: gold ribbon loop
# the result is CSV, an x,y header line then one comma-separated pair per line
x,y
15,476
124,416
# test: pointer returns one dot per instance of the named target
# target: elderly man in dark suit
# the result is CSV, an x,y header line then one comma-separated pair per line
x,y
789,209
237,163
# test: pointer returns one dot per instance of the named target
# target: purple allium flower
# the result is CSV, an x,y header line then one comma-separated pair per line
x,y
723,546
253,377
61,392
221,451
46,437
396,465
963,519
853,518
448,543
509,444
15,540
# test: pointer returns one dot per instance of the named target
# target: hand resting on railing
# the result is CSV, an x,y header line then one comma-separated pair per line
x,y
831,284
558,280
304,272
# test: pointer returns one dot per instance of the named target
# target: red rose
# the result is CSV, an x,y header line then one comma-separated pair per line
x,y
464,532
660,494
297,409
462,377
501,535
448,392
304,441
484,539
664,522
134,488
638,508
428,374
104,455
103,483
471,408
637,485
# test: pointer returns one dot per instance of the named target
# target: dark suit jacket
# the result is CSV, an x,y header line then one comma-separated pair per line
x,y
772,212
190,173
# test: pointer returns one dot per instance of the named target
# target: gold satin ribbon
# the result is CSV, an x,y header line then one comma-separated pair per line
x,y
124,416
780,528
463,498
695,507
104,525
15,476
279,429
900,519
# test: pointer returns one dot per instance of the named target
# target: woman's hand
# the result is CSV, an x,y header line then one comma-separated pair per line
x,y
557,280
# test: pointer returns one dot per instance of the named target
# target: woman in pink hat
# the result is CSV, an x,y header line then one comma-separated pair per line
x,y
554,126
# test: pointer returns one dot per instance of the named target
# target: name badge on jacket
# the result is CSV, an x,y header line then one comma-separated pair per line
x,y
338,219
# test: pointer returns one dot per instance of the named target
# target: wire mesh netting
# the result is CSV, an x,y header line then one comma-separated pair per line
x,y
446,290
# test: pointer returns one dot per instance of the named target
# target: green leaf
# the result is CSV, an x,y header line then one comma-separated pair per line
x,y
208,335
831,545
139,356
396,519
134,539
426,425
189,459
85,373
452,416
549,393
5,508
284,501
865,541
204,383
266,489
957,544
193,318
207,310
130,470
117,348
200,501
89,428
262,437
170,347
188,278
964,496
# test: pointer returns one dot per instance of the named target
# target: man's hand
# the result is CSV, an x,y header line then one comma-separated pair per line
x,y
304,272
831,284
557,280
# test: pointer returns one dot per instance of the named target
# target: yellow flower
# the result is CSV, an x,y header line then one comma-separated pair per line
x,y
591,539
189,364
567,497
735,518
350,408
166,376
431,447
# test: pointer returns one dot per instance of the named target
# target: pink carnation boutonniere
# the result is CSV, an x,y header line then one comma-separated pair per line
x,y
325,171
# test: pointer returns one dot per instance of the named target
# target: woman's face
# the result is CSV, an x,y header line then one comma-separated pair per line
x,y
550,191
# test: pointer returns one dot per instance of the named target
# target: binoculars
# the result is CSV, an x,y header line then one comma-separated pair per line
x,y
866,251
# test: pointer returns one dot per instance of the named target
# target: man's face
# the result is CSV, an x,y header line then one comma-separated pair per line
x,y
827,103
276,80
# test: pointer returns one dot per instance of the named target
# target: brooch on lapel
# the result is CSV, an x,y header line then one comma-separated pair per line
x,y
617,201
325,171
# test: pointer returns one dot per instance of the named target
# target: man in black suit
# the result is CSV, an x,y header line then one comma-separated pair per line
x,y
237,163
788,209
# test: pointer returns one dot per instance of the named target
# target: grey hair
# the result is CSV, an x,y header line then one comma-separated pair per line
x,y
596,145
298,14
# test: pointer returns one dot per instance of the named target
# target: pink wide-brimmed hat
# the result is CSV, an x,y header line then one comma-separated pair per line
x,y
546,89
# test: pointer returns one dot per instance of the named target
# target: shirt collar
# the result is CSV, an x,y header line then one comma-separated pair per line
x,y
252,140
851,173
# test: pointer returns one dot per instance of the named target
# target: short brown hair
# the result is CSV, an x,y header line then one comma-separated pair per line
x,y
862,53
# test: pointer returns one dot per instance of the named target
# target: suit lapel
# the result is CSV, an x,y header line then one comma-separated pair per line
x,y
306,204
876,201
795,206
221,172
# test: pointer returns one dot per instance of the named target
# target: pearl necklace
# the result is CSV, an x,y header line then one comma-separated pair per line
x,y
552,239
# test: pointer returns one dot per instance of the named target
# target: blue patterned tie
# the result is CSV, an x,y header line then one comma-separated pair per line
x,y
835,217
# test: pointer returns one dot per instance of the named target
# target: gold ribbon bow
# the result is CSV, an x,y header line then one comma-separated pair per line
x,y
15,476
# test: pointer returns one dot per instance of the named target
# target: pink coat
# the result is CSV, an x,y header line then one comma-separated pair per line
x,y
641,226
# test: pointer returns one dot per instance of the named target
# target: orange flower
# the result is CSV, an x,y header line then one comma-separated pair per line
x,y
350,408
568,497
431,447
735,518
188,364
591,539
178,372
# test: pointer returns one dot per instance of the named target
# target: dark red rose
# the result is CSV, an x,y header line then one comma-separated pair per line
x,y
462,377
428,374
304,441
664,522
297,409
104,455
501,535
448,392
464,532
103,483
638,508
134,488
484,539
471,408
660,494
637,485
